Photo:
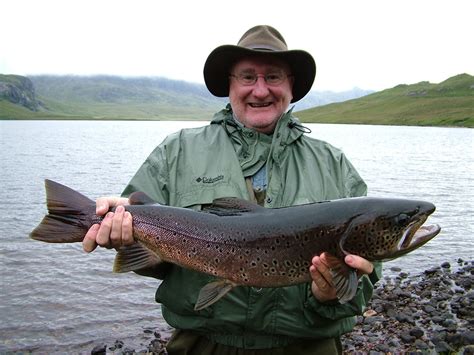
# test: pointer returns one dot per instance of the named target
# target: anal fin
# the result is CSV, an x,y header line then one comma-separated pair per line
x,y
135,257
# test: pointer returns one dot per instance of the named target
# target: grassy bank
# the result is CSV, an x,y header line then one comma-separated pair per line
x,y
450,103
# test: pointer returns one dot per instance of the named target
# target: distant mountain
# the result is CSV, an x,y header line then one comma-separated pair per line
x,y
319,98
152,98
107,97
450,102
113,97
18,90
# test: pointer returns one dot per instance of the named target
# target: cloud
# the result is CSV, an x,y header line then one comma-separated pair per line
x,y
369,44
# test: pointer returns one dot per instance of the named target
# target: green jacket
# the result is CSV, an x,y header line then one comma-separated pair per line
x,y
195,166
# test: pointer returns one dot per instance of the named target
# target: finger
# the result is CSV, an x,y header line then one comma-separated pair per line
x,y
127,229
320,288
103,235
323,267
362,265
116,231
89,244
102,206
319,278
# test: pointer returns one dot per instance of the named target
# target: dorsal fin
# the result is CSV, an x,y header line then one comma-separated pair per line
x,y
141,198
231,206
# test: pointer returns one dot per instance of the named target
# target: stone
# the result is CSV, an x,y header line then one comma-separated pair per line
x,y
467,337
117,345
429,309
446,265
100,349
404,318
417,332
384,348
431,271
443,347
420,345
407,338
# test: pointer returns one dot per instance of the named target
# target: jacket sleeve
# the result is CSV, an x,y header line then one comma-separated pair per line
x,y
152,177
353,184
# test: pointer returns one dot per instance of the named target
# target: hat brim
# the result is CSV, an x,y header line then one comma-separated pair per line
x,y
219,62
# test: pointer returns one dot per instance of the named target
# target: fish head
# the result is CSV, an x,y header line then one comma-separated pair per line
x,y
389,228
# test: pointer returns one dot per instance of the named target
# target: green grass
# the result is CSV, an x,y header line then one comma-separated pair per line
x,y
113,98
450,103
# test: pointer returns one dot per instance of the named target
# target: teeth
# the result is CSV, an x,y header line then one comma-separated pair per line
x,y
260,105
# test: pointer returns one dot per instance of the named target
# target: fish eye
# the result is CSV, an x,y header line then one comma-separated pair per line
x,y
403,219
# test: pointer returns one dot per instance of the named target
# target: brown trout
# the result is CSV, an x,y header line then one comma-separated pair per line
x,y
244,244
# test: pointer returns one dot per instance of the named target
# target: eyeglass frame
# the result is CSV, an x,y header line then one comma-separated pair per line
x,y
264,76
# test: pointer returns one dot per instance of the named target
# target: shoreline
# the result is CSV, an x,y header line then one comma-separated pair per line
x,y
207,120
430,312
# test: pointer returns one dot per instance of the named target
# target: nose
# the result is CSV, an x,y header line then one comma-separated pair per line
x,y
260,88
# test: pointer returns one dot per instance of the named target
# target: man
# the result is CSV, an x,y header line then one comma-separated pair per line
x,y
253,149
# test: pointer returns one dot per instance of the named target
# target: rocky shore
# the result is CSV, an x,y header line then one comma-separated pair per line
x,y
430,313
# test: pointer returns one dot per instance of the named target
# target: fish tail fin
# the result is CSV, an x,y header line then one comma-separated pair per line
x,y
70,215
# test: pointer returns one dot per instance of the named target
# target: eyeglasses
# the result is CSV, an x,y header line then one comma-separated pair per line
x,y
272,78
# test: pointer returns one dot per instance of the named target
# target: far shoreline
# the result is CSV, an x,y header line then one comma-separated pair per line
x,y
184,119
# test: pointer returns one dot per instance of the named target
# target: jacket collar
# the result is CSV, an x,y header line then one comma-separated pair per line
x,y
253,148
288,128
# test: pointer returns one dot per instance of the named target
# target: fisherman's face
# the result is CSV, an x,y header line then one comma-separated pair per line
x,y
260,105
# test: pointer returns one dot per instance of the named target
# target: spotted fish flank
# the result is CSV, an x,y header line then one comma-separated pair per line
x,y
244,244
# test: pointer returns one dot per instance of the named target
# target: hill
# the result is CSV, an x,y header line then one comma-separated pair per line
x,y
113,97
18,90
149,98
449,103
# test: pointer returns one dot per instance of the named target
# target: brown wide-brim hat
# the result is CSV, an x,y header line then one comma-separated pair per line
x,y
260,40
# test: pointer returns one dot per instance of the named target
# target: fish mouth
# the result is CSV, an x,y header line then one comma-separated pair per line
x,y
415,235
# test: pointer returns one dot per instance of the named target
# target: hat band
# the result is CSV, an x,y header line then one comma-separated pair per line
x,y
265,47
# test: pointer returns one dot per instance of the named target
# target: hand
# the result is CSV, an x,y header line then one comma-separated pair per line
x,y
115,229
322,286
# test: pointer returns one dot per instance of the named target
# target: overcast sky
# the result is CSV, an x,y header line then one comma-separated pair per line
x,y
371,44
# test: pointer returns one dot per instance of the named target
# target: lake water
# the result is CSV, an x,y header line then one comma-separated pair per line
x,y
56,298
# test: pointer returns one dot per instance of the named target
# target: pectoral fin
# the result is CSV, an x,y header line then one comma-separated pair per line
x,y
135,257
212,292
344,278
141,198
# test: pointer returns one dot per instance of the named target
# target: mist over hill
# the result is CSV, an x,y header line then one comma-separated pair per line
x,y
114,97
450,102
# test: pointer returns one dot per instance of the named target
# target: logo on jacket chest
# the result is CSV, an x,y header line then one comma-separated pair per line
x,y
209,180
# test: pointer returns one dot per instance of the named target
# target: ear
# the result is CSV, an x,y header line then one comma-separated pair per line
x,y
291,82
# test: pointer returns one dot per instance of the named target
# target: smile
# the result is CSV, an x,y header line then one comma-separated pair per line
x,y
265,104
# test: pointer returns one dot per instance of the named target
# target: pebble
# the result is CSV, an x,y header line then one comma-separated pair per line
x,y
446,265
100,349
421,313
417,332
